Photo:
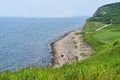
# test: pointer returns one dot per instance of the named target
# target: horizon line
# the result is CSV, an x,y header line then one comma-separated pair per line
x,y
43,17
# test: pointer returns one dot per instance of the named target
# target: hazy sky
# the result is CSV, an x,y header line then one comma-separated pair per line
x,y
50,8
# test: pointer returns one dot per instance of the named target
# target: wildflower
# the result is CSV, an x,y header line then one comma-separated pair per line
x,y
62,55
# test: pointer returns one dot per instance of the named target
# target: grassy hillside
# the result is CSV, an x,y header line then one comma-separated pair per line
x,y
108,13
103,65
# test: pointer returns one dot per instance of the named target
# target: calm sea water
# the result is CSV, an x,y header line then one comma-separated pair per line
x,y
24,42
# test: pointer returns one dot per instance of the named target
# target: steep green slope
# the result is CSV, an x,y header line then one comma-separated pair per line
x,y
103,65
108,13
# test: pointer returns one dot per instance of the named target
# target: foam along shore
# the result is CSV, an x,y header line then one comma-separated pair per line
x,y
70,48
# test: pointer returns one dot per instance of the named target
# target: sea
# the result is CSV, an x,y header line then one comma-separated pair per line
x,y
25,42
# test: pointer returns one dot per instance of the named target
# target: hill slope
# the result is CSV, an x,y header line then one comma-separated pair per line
x,y
107,13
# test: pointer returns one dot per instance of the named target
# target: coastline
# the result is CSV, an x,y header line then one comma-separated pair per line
x,y
69,48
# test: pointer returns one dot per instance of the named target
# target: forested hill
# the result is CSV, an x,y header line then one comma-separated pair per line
x,y
107,14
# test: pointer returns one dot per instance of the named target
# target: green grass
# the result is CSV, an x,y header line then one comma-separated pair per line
x,y
103,65
107,14
100,38
92,26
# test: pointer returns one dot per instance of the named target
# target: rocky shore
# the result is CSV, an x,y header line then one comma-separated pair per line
x,y
70,48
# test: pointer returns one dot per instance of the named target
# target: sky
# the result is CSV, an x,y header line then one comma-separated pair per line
x,y
50,8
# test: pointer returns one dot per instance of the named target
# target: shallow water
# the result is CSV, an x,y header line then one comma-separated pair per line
x,y
24,42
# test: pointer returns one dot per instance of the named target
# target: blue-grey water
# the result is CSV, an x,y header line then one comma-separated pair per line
x,y
24,42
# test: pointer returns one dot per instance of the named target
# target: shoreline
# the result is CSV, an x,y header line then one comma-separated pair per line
x,y
69,48
52,47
